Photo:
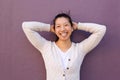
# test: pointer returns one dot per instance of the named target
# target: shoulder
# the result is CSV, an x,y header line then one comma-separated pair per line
x,y
78,46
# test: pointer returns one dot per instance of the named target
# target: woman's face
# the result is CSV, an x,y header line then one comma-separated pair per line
x,y
63,28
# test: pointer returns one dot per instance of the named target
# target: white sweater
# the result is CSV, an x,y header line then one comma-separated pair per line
x,y
52,60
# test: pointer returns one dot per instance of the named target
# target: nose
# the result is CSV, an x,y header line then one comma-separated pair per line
x,y
62,28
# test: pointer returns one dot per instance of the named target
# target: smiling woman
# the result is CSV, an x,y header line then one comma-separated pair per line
x,y
63,29
63,58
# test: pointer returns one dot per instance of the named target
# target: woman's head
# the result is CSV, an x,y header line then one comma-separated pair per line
x,y
63,26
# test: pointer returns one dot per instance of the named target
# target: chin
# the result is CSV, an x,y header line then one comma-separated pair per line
x,y
64,39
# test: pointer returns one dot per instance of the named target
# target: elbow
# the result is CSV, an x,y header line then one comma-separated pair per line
x,y
101,30
104,28
26,25
23,25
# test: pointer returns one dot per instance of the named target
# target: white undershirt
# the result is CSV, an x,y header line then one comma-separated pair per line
x,y
64,55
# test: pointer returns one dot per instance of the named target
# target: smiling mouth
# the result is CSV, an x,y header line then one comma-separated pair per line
x,y
63,34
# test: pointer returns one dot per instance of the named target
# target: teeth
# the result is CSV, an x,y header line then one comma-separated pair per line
x,y
63,34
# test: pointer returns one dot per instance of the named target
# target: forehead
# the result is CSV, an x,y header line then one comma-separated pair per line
x,y
61,20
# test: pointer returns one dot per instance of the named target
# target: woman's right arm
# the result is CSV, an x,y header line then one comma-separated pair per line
x,y
31,31
97,32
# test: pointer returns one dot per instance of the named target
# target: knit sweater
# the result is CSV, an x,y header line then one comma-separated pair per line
x,y
77,52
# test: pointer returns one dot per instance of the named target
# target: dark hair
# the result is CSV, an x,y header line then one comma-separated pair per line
x,y
62,15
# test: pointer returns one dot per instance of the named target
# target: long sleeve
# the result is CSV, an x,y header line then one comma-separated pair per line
x,y
97,32
31,31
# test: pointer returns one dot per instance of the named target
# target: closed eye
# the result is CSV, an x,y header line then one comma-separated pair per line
x,y
66,25
57,26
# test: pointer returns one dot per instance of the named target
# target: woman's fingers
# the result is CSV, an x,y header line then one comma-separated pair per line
x,y
52,28
75,25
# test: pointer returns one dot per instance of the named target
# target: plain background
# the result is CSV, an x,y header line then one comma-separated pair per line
x,y
19,60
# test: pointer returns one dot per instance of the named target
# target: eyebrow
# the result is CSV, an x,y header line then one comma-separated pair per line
x,y
64,23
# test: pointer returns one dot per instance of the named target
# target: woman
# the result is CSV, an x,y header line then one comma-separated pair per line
x,y
63,58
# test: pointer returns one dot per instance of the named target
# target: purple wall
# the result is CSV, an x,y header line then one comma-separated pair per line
x,y
19,60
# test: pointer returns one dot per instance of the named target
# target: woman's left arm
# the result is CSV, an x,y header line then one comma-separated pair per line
x,y
92,41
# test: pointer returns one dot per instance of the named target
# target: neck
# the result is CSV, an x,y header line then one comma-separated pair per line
x,y
64,45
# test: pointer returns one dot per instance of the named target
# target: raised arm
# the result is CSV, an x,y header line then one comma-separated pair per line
x,y
31,31
92,41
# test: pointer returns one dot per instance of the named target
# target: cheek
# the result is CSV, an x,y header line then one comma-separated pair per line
x,y
56,31
70,28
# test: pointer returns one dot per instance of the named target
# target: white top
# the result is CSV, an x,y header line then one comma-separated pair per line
x,y
52,54
64,55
